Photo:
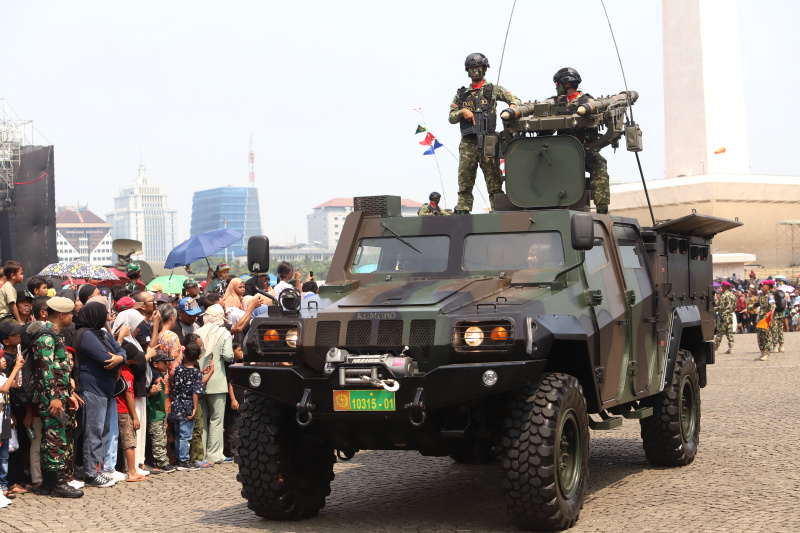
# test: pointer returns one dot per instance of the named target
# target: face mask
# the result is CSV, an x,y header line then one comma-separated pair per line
x,y
561,89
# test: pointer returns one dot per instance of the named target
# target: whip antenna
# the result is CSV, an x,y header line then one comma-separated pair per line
x,y
499,70
630,105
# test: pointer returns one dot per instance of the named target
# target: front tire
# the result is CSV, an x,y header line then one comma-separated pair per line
x,y
546,454
670,437
285,471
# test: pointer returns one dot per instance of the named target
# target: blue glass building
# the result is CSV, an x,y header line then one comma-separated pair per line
x,y
233,207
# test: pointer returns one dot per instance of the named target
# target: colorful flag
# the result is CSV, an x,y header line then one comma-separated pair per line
x,y
429,138
420,129
764,323
432,149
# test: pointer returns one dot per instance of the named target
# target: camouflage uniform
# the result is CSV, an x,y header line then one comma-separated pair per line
x,y
429,210
596,164
51,383
158,442
131,286
468,156
765,304
727,305
776,328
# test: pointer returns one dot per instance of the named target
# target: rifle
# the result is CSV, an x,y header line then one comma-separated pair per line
x,y
484,131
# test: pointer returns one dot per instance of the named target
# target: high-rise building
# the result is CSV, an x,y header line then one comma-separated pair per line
x,y
233,208
326,221
141,213
83,236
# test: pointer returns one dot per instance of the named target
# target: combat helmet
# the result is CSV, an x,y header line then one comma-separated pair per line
x,y
567,74
434,197
476,60
133,268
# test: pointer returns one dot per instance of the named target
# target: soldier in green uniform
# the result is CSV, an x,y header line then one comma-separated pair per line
x,y
567,81
479,96
776,324
433,208
53,394
765,305
134,272
727,305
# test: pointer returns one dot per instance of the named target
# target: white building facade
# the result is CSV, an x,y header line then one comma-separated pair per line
x,y
83,236
325,223
141,213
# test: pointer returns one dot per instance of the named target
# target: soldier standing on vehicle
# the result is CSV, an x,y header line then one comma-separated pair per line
x,y
765,305
567,81
433,207
480,96
727,305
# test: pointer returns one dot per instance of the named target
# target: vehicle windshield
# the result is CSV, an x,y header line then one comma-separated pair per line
x,y
513,251
389,254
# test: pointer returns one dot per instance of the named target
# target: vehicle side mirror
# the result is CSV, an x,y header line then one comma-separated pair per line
x,y
581,227
258,254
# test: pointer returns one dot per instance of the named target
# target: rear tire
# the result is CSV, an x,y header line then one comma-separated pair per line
x,y
546,454
285,471
670,437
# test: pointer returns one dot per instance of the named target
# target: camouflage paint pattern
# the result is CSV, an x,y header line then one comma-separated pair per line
x,y
54,447
727,306
597,168
468,160
776,328
158,442
765,304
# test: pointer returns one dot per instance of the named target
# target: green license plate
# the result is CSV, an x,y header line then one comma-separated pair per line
x,y
363,400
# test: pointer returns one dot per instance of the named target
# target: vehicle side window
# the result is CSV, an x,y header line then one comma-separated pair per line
x,y
596,257
629,254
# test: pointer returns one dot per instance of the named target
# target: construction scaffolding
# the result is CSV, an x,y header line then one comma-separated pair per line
x,y
14,134
787,244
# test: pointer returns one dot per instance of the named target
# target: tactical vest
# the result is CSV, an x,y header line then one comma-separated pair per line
x,y
479,101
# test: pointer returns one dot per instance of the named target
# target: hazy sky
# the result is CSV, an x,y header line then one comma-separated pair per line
x,y
327,89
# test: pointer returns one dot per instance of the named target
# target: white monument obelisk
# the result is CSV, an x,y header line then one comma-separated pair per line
x,y
703,94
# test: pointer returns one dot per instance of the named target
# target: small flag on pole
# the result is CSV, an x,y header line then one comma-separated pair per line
x,y
429,138
420,129
432,149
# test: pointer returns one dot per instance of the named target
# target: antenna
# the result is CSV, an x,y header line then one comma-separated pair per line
x,y
499,70
251,161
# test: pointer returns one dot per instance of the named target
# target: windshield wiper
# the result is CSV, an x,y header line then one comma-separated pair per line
x,y
399,238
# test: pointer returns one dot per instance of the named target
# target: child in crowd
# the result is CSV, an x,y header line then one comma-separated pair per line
x,y
157,414
188,383
128,426
8,292
6,423
235,398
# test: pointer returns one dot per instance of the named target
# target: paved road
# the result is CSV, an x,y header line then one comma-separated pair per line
x,y
745,478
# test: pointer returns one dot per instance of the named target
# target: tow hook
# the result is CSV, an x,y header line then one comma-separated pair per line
x,y
304,408
417,414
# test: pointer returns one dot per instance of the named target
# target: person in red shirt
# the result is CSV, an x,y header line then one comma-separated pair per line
x,y
128,425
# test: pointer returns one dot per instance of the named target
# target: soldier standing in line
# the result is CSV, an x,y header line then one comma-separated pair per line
x,y
433,207
134,272
479,96
567,81
53,394
727,305
776,324
765,304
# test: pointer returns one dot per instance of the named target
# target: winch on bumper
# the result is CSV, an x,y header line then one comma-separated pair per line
x,y
390,378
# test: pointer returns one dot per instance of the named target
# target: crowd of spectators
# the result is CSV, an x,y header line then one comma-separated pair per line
x,y
746,290
100,385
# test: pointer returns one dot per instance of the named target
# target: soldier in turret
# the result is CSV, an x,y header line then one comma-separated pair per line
x,y
727,305
567,81
433,208
479,96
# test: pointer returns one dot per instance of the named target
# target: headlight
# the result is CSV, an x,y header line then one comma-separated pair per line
x,y
291,338
473,336
271,335
499,334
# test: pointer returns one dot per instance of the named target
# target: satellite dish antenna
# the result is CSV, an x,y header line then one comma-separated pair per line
x,y
125,248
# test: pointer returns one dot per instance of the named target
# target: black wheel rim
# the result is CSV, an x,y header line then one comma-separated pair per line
x,y
569,454
688,409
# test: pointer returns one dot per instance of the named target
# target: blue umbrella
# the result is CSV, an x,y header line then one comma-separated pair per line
x,y
201,246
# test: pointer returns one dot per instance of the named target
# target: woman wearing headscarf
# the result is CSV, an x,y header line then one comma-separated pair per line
x,y
138,364
232,301
98,357
217,347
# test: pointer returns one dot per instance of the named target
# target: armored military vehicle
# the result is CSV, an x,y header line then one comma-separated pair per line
x,y
516,330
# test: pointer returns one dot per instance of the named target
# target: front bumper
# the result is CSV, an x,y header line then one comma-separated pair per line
x,y
443,386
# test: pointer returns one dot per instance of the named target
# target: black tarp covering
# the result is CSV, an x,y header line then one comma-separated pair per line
x,y
28,220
